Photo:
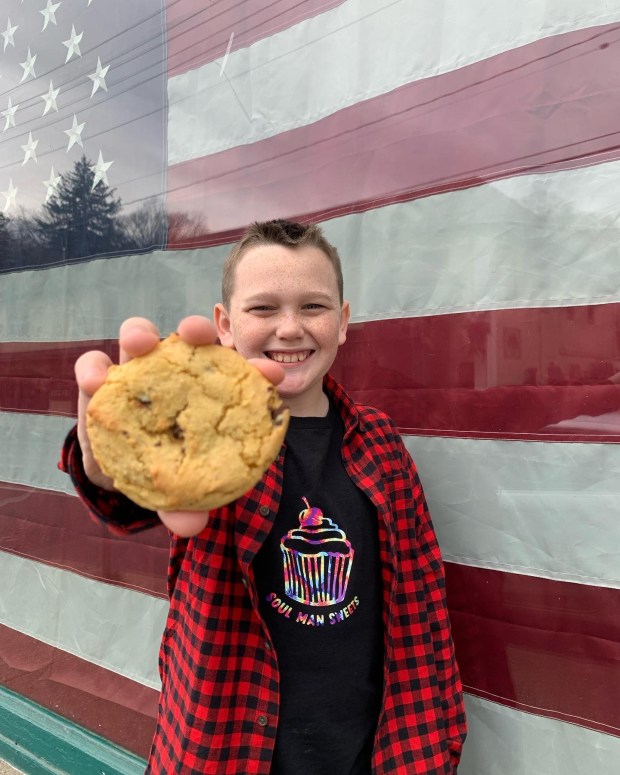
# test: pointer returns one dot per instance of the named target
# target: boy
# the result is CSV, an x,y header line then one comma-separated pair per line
x,y
316,644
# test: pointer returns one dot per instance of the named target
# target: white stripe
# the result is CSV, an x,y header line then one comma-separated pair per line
x,y
111,626
208,114
503,741
89,300
448,253
530,241
541,509
30,450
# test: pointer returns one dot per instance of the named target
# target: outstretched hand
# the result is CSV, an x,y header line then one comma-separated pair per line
x,y
138,336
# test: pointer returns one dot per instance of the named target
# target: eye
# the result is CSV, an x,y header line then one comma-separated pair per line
x,y
261,308
314,306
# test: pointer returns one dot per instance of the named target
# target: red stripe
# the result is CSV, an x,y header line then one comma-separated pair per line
x,y
471,373
512,373
38,377
546,106
114,707
548,647
199,32
54,528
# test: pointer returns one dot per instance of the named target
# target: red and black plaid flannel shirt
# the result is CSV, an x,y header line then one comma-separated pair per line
x,y
219,703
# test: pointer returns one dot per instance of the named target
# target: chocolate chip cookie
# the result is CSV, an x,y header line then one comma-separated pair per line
x,y
186,427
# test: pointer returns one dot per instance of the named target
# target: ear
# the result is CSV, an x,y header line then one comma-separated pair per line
x,y
222,325
345,314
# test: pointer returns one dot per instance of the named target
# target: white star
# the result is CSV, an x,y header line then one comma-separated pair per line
x,y
50,98
28,66
10,115
52,184
30,149
8,34
10,196
74,133
98,77
49,13
73,44
100,170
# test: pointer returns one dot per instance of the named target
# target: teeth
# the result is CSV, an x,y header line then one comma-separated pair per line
x,y
289,357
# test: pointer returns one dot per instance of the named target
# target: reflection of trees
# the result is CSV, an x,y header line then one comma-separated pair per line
x,y
24,247
147,227
185,228
80,219
5,239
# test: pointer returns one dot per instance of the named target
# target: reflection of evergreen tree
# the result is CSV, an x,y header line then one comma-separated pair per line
x,y
80,219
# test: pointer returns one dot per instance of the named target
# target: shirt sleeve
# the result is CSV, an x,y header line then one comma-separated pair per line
x,y
435,590
120,515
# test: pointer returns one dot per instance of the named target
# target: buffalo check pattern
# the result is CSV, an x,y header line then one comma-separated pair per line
x,y
219,702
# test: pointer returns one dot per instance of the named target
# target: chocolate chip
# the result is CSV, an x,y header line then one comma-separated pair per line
x,y
177,431
276,414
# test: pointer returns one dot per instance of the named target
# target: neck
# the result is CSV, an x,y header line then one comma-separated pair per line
x,y
308,406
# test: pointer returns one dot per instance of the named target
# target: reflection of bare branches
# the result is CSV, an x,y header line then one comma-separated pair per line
x,y
183,227
21,245
24,228
5,240
148,226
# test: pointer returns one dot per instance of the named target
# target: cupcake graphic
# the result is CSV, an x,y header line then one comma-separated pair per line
x,y
317,559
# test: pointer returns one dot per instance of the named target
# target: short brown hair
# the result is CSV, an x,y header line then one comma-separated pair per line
x,y
279,232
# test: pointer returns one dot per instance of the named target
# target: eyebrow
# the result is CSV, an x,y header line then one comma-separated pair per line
x,y
269,295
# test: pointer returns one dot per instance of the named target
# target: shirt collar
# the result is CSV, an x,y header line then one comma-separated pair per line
x,y
347,408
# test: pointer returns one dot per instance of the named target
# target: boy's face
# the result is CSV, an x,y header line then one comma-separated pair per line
x,y
285,306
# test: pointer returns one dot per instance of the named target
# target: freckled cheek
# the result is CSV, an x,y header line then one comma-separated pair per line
x,y
326,333
250,338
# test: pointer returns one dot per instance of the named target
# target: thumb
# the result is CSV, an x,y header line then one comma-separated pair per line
x,y
184,523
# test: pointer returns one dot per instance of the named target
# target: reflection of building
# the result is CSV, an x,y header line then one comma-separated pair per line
x,y
573,345
551,345
547,346
515,371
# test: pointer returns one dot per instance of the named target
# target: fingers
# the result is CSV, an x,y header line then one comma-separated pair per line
x,y
90,371
197,330
270,369
137,336
184,523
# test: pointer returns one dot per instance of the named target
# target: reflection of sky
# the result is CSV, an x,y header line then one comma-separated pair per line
x,y
126,123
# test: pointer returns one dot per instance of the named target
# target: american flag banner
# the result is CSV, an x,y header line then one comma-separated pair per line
x,y
82,130
465,159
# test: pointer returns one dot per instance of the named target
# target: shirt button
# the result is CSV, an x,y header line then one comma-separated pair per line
x,y
263,511
262,721
268,645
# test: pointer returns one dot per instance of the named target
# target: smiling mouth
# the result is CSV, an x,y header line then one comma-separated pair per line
x,y
293,357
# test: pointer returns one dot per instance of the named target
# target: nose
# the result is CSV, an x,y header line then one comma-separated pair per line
x,y
289,326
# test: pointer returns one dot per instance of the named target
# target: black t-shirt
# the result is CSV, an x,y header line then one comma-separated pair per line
x,y
318,578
